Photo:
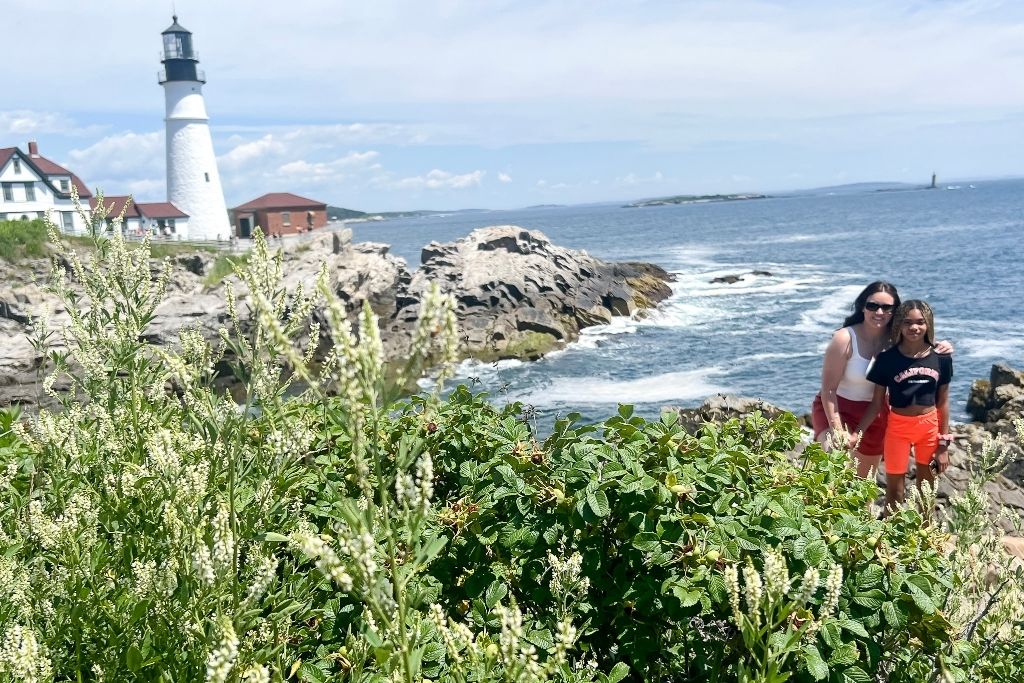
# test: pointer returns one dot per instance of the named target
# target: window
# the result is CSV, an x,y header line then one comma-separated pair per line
x,y
65,185
286,218
67,220
30,192
207,177
8,192
17,165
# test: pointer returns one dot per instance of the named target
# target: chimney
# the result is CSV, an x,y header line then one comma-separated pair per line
x,y
33,149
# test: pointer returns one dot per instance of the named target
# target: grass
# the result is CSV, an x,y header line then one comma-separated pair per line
x,y
23,240
20,240
224,266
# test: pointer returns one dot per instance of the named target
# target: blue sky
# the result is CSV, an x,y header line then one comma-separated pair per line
x,y
392,104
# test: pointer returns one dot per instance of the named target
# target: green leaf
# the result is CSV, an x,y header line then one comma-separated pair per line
x,y
844,655
853,626
921,599
855,674
597,501
815,552
894,616
816,666
618,672
647,541
133,659
830,634
871,599
496,592
871,576
273,537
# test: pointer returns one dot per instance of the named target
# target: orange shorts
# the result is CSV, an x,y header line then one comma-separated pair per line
x,y
850,412
904,431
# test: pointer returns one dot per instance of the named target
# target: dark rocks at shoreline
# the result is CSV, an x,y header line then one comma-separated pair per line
x,y
733,279
995,404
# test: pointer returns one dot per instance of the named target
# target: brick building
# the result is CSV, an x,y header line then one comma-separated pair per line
x,y
279,213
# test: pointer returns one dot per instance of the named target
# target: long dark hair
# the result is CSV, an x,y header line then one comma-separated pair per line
x,y
901,313
858,305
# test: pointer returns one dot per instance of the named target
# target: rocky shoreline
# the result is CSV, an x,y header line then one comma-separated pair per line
x,y
517,295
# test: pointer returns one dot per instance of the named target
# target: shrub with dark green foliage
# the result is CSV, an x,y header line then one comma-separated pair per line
x,y
658,514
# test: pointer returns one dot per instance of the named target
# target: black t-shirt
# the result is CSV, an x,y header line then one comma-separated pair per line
x,y
911,381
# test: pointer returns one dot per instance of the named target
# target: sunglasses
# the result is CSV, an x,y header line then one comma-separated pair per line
x,y
875,306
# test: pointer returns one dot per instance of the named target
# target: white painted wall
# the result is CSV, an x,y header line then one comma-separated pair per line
x,y
44,200
193,182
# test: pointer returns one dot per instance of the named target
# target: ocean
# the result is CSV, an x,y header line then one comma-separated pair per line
x,y
959,249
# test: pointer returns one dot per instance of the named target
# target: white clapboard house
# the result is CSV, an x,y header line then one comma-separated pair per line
x,y
31,184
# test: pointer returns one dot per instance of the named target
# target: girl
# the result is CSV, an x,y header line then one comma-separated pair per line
x,y
917,380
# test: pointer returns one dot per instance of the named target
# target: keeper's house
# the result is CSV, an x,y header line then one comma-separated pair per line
x,y
31,184
161,219
279,213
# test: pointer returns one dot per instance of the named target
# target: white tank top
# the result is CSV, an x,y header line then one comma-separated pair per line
x,y
854,386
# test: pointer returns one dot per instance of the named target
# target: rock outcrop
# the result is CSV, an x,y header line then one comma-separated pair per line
x,y
518,295
995,404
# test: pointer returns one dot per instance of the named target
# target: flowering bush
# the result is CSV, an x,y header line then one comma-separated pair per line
x,y
154,528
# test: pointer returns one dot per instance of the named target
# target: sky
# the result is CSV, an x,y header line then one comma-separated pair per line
x,y
448,104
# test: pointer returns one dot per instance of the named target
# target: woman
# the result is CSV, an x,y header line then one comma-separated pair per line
x,y
916,379
846,392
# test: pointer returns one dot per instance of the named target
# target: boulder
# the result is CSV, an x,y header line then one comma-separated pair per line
x,y
518,295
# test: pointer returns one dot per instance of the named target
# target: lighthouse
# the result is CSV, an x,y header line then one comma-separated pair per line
x,y
193,184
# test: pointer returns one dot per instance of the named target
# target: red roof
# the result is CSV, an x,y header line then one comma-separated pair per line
x,y
115,205
281,200
160,210
45,168
140,210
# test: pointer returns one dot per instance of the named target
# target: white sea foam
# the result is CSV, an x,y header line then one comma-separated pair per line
x,y
830,312
1009,349
778,355
799,237
670,386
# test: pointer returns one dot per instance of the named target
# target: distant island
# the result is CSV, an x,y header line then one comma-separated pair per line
x,y
693,199
338,213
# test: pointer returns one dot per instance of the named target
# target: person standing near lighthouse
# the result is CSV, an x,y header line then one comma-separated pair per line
x,y
193,183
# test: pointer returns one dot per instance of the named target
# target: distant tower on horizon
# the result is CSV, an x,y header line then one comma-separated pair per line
x,y
932,186
193,183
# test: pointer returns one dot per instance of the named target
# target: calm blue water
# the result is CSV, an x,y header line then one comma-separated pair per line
x,y
961,250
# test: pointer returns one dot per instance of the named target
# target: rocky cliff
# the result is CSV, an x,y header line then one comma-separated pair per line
x,y
518,295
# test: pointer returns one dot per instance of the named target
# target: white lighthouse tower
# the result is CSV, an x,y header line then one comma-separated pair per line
x,y
193,184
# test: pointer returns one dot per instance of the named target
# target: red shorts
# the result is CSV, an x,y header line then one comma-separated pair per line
x,y
919,431
850,412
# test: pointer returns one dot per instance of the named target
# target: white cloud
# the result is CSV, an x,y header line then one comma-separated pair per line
x,y
437,180
128,163
26,122
246,153
504,177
